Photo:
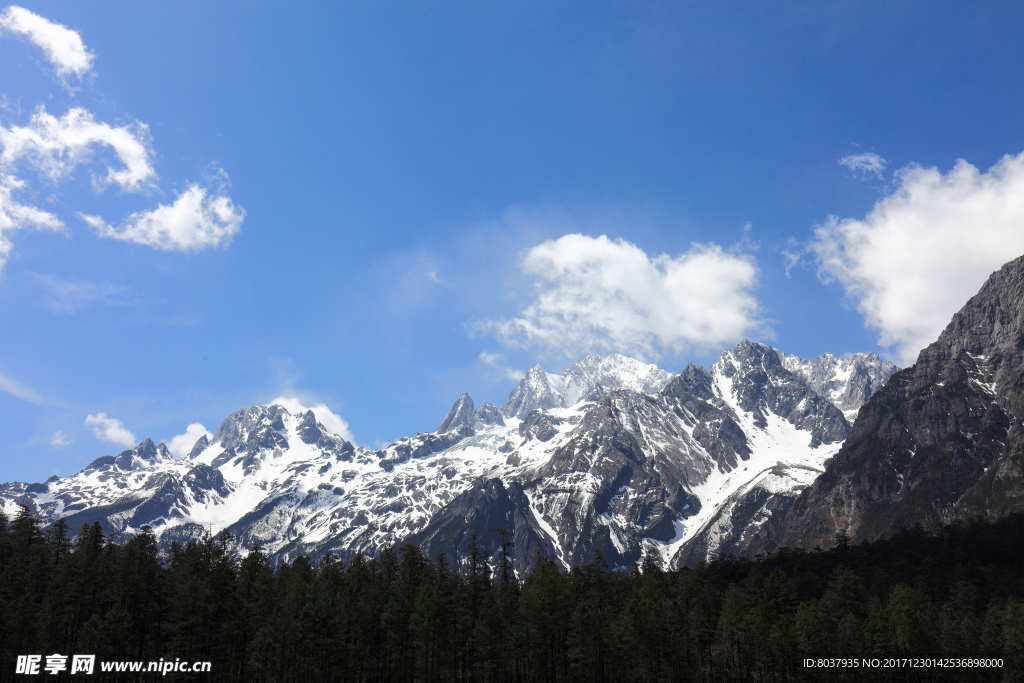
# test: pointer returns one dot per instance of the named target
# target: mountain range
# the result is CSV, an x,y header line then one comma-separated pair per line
x,y
613,454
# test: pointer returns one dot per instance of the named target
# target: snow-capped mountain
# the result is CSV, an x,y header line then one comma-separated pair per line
x,y
847,382
613,454
589,378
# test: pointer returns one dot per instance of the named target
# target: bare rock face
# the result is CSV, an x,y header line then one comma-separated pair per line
x,y
488,414
942,440
462,414
308,429
485,508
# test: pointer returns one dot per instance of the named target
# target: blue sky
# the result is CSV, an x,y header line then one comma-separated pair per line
x,y
373,207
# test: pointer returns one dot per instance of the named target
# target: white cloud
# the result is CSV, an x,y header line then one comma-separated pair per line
x,y
181,445
63,47
195,221
53,147
109,429
14,216
324,415
864,164
56,146
925,249
497,361
60,439
595,294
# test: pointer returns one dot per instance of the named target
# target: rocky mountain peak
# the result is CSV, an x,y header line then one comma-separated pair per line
x,y
984,342
489,414
462,413
693,380
146,452
201,444
241,425
308,428
761,385
991,318
982,347
534,392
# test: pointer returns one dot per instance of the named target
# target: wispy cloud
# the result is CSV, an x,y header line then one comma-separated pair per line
x,y
926,248
864,164
181,320
60,439
62,46
15,216
793,253
110,429
64,296
603,295
18,390
497,361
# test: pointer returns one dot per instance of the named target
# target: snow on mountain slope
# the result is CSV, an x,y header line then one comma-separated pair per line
x,y
613,454
665,473
588,378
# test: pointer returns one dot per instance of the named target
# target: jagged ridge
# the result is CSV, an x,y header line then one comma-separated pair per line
x,y
613,454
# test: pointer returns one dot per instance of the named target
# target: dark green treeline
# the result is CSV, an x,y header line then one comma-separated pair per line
x,y
401,616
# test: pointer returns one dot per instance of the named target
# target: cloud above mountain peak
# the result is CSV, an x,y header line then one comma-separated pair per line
x,y
926,248
603,295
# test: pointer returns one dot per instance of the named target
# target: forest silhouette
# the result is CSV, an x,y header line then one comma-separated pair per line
x,y
401,616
